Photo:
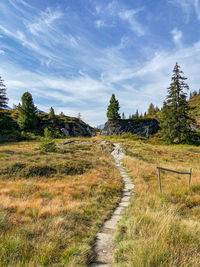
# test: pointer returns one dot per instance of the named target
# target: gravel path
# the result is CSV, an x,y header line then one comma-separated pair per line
x,y
104,245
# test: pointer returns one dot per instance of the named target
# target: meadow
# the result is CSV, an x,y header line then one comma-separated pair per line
x,y
53,204
160,229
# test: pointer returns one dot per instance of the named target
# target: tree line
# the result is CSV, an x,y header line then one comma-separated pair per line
x,y
175,115
25,121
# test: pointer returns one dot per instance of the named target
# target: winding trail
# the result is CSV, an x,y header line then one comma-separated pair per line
x,y
104,244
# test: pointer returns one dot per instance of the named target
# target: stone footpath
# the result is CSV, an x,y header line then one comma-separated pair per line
x,y
104,244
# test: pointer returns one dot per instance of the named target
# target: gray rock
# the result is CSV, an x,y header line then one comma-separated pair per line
x,y
141,127
77,129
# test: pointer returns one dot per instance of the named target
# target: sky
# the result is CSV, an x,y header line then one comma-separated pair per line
x,y
72,55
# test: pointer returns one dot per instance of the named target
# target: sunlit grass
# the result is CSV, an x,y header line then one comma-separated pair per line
x,y
161,229
52,204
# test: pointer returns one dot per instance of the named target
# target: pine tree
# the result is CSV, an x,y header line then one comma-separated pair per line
x,y
175,119
156,109
3,98
27,119
136,114
79,116
52,113
113,109
123,116
151,110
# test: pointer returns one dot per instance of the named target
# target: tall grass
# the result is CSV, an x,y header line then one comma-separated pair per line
x,y
52,204
160,229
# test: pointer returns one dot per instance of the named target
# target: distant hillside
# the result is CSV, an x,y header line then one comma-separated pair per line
x,y
195,104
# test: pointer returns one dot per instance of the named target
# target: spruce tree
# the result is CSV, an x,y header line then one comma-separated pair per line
x,y
151,110
52,113
3,98
79,116
27,119
137,114
175,119
113,109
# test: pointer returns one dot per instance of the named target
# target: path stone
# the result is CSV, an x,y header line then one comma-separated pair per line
x,y
104,244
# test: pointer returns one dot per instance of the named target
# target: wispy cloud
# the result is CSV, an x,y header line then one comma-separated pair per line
x,y
58,54
44,21
131,17
177,37
188,7
100,23
117,10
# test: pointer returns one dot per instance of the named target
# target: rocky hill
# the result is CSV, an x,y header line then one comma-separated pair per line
x,y
142,127
68,126
59,126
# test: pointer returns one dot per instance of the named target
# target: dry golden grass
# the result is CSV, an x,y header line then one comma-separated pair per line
x,y
50,218
161,229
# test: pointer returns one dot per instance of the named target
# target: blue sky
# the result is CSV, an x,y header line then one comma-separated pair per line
x,y
73,54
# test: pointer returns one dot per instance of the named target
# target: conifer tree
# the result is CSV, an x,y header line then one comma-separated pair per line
x,y
136,114
156,109
123,116
175,119
27,119
113,109
3,98
52,113
151,110
79,116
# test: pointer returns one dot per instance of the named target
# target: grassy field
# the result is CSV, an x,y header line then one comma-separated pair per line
x,y
160,229
52,204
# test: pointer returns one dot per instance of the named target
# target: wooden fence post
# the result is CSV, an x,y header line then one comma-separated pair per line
x,y
159,180
190,176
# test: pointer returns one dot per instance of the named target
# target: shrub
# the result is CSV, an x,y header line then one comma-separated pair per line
x,y
47,143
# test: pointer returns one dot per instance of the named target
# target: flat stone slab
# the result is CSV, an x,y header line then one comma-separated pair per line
x,y
119,211
103,248
125,199
112,223
129,186
124,204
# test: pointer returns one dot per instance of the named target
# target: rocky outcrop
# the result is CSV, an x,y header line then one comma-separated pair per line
x,y
141,127
77,129
68,126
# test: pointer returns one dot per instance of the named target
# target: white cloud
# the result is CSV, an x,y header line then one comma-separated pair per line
x,y
99,23
87,85
2,52
130,17
116,10
135,87
188,7
197,8
177,37
44,21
